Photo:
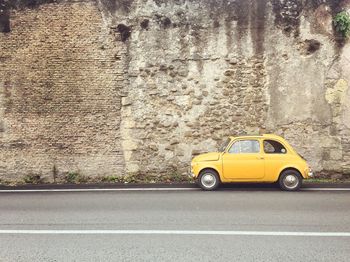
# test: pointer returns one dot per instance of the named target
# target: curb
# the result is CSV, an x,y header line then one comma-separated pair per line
x,y
97,186
164,185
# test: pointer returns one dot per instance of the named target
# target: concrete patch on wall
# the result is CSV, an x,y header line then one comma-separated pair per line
x,y
336,95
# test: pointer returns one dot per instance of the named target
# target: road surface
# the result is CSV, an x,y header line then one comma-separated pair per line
x,y
175,225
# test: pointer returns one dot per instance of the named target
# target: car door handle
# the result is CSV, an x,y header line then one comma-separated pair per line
x,y
260,157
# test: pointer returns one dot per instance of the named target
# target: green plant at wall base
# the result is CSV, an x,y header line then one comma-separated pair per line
x,y
73,177
112,179
342,23
32,179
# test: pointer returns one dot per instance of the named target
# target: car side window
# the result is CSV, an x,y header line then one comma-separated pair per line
x,y
245,147
274,147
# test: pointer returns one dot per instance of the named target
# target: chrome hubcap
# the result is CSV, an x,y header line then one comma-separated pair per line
x,y
208,180
291,181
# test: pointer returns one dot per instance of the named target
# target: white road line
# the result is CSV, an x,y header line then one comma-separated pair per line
x,y
96,189
176,232
325,189
145,189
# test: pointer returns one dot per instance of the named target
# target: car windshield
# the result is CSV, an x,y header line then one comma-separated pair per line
x,y
224,144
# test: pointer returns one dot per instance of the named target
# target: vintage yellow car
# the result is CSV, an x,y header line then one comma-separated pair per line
x,y
258,158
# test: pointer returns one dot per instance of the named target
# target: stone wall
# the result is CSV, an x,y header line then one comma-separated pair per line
x,y
118,87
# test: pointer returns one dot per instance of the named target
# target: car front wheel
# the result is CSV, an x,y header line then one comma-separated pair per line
x,y
208,180
290,180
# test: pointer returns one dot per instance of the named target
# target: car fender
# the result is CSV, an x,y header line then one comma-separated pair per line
x,y
292,166
215,165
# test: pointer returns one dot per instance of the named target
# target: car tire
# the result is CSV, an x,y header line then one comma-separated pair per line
x,y
208,180
290,180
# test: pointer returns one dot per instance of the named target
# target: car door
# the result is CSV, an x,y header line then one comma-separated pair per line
x,y
244,160
276,157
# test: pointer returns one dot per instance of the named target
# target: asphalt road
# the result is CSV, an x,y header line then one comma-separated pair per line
x,y
175,226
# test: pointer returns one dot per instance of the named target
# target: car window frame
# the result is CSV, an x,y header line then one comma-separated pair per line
x,y
244,139
229,139
276,140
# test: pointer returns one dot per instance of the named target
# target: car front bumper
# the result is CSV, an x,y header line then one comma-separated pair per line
x,y
191,175
191,171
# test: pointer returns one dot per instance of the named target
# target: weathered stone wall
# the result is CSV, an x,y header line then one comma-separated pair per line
x,y
60,76
202,70
114,87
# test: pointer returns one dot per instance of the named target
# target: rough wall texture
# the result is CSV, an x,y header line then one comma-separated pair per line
x,y
114,87
60,74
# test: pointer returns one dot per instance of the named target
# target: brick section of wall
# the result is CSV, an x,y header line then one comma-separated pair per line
x,y
60,75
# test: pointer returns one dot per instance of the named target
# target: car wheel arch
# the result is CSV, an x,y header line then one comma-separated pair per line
x,y
211,169
290,168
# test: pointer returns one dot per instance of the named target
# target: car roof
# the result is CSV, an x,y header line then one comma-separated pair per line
x,y
272,136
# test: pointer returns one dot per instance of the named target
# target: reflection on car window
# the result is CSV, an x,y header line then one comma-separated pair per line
x,y
245,146
274,147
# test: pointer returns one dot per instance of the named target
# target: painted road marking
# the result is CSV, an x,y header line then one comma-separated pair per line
x,y
325,189
147,189
176,232
97,189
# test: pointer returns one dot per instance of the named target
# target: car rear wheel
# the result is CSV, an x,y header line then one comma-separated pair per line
x,y
208,180
290,180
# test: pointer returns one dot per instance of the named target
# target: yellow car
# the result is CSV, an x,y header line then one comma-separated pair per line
x,y
261,158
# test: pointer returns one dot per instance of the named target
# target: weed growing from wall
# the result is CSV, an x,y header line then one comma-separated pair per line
x,y
342,23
